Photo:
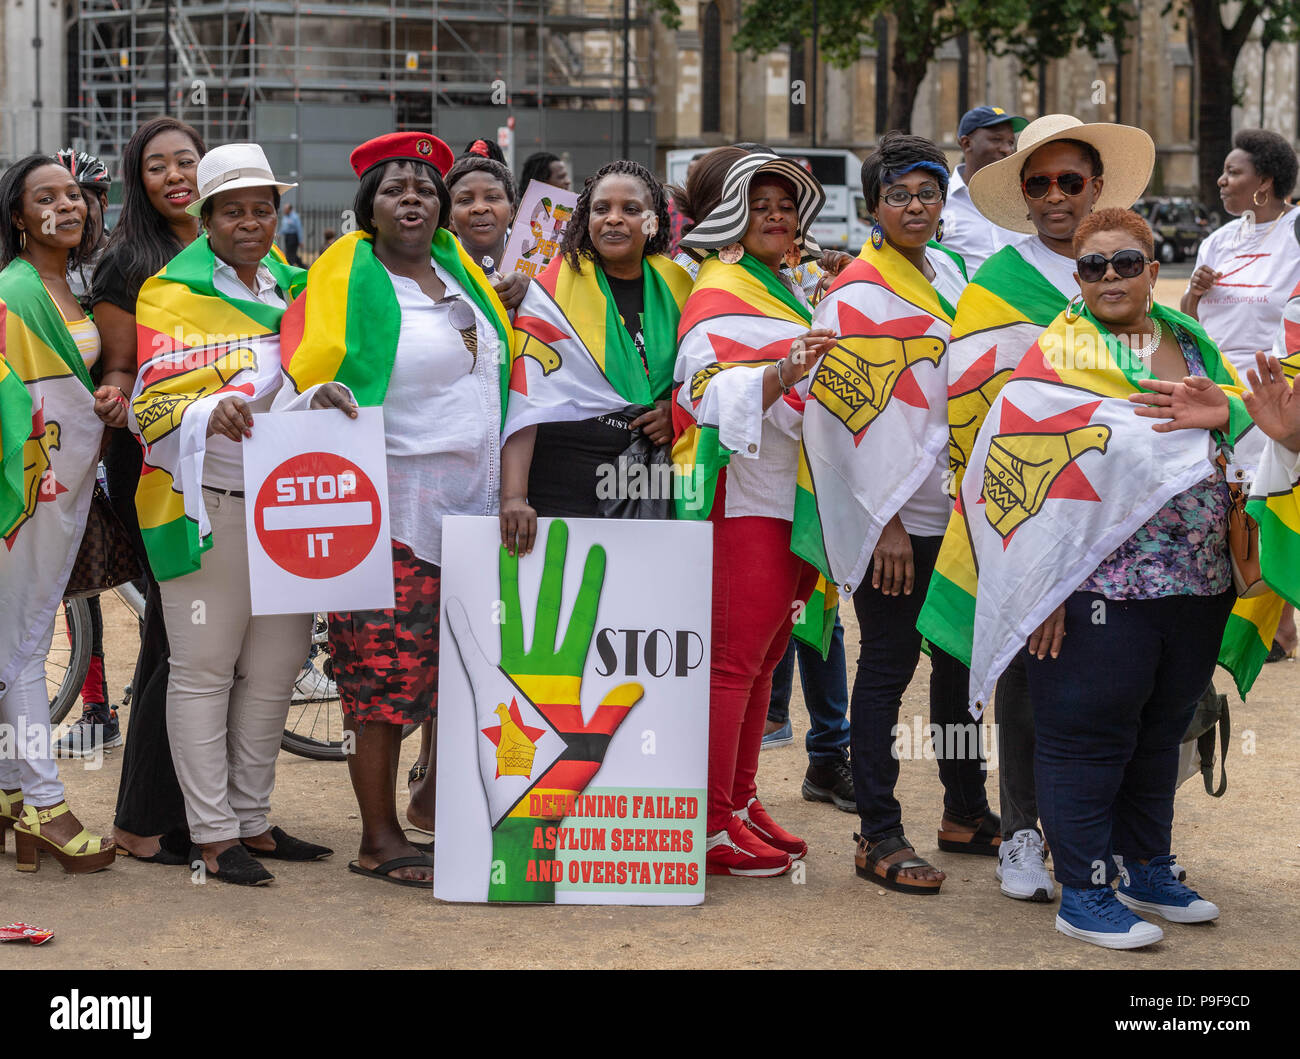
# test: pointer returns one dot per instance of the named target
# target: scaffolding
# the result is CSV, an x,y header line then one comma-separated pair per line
x,y
224,66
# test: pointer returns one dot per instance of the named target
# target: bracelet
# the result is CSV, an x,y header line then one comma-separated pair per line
x,y
780,378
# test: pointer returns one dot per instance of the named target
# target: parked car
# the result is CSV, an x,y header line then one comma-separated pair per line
x,y
1179,225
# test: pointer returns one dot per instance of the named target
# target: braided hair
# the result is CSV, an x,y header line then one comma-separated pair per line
x,y
577,243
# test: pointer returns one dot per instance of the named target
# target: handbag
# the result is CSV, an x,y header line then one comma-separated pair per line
x,y
1243,539
1196,754
106,557
644,468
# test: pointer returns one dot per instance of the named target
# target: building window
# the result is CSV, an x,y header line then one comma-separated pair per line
x,y
711,70
881,33
800,108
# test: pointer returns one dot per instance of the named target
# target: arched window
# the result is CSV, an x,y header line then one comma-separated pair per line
x,y
711,70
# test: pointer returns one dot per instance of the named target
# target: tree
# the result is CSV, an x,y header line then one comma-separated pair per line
x,y
1218,47
1031,31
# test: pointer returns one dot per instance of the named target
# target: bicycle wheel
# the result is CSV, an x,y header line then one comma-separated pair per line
x,y
69,659
314,726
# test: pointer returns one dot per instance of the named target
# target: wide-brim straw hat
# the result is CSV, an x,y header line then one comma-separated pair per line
x,y
231,166
729,220
1128,157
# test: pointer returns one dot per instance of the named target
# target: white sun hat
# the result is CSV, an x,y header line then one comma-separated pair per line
x,y
231,166
1128,157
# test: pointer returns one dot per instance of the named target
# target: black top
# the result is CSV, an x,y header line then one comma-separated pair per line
x,y
110,285
567,457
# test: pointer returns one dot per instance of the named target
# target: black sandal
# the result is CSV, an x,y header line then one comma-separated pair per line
x,y
983,841
235,866
416,774
289,848
867,858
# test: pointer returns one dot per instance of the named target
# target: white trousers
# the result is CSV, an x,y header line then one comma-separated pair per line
x,y
230,685
26,757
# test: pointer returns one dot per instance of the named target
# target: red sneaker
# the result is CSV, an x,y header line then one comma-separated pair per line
x,y
739,851
770,831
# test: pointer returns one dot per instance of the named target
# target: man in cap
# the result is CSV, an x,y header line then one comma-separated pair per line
x,y
985,135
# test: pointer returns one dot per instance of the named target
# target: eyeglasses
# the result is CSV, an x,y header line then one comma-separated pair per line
x,y
902,198
1037,187
1126,263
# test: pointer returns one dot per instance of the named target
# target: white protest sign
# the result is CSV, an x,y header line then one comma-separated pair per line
x,y
316,494
573,713
540,221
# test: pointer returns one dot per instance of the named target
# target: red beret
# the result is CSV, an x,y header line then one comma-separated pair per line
x,y
402,147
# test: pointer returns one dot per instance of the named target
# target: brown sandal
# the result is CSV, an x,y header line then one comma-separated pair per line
x,y
867,860
984,840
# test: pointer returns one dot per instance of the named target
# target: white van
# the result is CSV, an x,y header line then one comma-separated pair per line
x,y
842,223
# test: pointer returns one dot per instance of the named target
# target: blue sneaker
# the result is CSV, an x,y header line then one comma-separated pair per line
x,y
95,730
783,736
1151,887
1095,915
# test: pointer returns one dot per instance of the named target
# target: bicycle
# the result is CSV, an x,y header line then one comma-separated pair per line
x,y
313,728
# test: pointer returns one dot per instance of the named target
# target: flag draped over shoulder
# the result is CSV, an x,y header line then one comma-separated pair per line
x,y
875,418
1063,472
345,327
1275,505
49,445
195,347
1000,315
573,359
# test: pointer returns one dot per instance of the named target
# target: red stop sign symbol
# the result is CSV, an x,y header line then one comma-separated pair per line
x,y
317,515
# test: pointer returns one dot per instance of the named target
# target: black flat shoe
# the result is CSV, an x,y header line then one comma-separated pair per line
x,y
289,848
235,866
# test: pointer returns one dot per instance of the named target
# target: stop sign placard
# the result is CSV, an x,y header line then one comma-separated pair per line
x,y
317,515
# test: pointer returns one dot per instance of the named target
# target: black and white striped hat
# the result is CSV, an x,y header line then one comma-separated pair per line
x,y
729,220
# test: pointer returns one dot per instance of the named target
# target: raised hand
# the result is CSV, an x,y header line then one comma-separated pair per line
x,y
1272,402
1196,403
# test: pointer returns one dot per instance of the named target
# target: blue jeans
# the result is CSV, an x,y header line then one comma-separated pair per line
x,y
825,693
1106,753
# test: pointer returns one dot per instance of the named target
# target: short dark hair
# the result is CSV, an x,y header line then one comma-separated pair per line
x,y
577,243
205,211
537,166
1271,156
897,151
1089,152
363,206
472,163
1111,219
12,186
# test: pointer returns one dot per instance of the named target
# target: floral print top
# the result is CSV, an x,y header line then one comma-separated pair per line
x,y
1181,550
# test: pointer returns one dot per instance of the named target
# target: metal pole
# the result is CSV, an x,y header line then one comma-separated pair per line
x,y
37,102
627,33
167,56
815,27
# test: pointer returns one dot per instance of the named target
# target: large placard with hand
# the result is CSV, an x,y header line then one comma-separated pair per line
x,y
316,495
573,713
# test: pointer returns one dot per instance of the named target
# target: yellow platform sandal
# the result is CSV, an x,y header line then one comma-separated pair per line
x,y
11,808
84,852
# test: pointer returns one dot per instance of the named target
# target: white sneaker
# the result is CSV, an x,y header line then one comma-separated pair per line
x,y
1022,870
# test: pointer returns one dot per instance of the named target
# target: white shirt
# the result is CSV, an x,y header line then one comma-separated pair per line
x,y
1261,267
223,459
1056,268
967,231
926,513
442,418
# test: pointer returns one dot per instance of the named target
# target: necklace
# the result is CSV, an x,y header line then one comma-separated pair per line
x,y
1145,351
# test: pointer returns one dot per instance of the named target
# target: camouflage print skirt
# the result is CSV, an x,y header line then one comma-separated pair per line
x,y
386,661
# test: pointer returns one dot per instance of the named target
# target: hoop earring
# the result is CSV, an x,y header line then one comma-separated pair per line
x,y
22,239
1255,199
1073,311
938,232
877,236
1151,302
731,253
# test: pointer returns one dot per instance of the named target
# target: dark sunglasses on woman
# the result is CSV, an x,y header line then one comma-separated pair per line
x,y
1037,187
1127,264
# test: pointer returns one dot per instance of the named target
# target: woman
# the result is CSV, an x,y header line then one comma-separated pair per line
x,y
482,207
570,417
736,451
892,460
433,355
158,184
49,445
1062,171
546,167
1146,606
231,676
1246,271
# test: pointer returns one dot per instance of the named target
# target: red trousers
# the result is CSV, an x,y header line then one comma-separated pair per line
x,y
756,580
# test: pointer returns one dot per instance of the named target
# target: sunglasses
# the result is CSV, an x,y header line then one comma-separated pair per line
x,y
1126,263
1037,187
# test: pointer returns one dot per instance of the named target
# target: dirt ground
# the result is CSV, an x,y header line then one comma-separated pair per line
x,y
1241,851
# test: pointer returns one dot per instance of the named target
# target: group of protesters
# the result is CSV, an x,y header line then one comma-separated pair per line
x,y
824,408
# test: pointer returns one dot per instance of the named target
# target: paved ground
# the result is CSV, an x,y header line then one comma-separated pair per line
x,y
1241,851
